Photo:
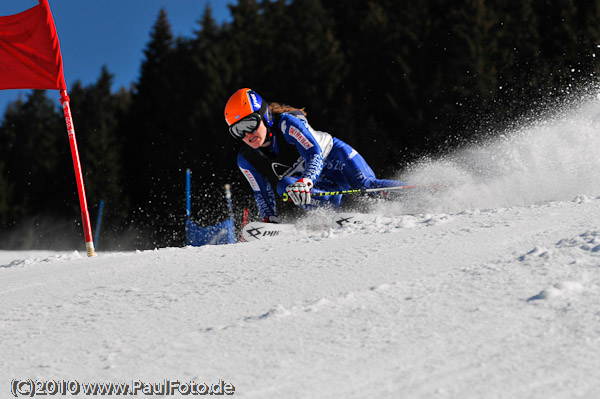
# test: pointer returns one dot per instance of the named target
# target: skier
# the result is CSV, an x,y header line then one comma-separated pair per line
x,y
283,152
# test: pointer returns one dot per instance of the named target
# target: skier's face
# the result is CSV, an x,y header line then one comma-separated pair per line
x,y
257,138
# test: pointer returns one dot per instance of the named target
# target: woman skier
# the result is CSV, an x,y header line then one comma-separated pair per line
x,y
284,153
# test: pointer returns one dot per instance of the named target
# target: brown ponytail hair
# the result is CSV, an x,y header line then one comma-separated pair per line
x,y
277,108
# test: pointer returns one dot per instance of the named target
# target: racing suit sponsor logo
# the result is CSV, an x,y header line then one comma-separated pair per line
x,y
336,164
265,207
314,167
251,179
282,170
300,138
360,176
265,200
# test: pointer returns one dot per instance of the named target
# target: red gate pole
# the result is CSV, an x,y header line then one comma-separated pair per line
x,y
85,215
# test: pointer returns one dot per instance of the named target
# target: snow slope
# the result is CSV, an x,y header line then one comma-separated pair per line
x,y
488,289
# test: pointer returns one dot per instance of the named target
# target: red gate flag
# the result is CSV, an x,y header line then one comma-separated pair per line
x,y
30,55
30,59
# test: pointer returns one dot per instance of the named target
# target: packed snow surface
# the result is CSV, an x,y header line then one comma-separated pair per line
x,y
487,288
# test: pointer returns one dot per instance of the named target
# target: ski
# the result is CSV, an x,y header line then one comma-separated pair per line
x,y
255,231
350,218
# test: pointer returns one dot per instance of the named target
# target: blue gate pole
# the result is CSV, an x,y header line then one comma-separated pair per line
x,y
228,197
188,203
98,222
231,232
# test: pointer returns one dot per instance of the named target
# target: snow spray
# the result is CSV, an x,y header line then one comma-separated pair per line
x,y
555,157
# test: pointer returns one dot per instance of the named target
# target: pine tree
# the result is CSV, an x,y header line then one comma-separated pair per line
x,y
390,88
382,95
36,154
310,61
213,157
511,51
39,171
245,52
153,145
97,113
6,199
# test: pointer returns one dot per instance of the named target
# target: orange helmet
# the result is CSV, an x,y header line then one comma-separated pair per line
x,y
247,107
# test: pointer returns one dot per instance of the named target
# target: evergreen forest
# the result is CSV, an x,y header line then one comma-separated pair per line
x,y
396,79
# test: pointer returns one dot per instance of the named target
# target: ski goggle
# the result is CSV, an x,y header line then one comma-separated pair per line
x,y
247,125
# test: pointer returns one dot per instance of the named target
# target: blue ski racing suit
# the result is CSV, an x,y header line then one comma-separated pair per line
x,y
298,151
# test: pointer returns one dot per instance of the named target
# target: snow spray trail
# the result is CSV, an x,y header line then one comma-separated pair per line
x,y
552,158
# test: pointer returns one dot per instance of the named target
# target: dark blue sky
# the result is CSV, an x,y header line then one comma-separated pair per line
x,y
114,33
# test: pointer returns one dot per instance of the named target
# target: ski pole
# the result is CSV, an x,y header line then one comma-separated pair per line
x,y
364,190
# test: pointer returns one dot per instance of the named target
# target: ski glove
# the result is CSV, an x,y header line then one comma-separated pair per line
x,y
299,192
